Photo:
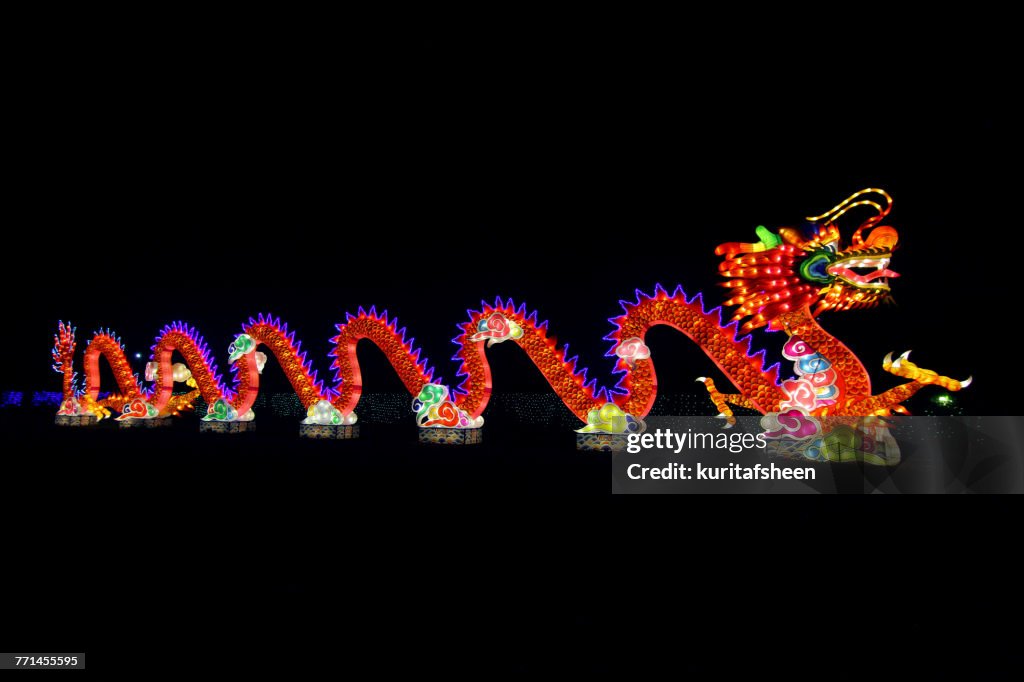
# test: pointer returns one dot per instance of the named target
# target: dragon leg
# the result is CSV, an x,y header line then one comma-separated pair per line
x,y
723,400
890,401
903,367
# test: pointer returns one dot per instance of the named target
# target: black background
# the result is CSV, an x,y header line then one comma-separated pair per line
x,y
432,180
420,173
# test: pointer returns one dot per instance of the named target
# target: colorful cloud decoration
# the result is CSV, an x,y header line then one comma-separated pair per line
x,y
323,413
815,385
223,411
434,409
792,424
138,409
610,418
632,349
497,329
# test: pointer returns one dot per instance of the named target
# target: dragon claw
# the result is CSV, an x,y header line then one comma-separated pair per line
x,y
903,367
729,420
701,380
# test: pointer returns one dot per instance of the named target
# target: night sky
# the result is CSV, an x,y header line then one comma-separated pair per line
x,y
226,171
428,182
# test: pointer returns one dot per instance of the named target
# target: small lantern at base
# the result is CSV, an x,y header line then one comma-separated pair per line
x,y
601,442
329,431
155,423
442,436
226,427
75,420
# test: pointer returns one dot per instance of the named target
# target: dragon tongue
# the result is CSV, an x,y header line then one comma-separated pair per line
x,y
879,273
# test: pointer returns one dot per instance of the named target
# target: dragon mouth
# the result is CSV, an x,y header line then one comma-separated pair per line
x,y
864,273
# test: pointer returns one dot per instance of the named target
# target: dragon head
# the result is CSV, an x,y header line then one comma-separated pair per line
x,y
800,267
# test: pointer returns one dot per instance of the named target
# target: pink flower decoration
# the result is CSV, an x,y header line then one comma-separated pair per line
x,y
498,324
867,443
632,349
790,424
820,379
796,348
800,395
70,406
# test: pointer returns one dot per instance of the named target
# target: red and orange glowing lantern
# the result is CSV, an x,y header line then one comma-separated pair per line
x,y
781,282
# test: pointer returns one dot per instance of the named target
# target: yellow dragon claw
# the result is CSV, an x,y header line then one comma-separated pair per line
x,y
719,400
903,367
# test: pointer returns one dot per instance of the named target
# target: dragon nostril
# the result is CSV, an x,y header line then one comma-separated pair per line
x,y
883,237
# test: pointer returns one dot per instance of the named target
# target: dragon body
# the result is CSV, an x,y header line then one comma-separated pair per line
x,y
781,282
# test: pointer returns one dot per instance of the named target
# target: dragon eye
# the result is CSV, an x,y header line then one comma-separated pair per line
x,y
815,268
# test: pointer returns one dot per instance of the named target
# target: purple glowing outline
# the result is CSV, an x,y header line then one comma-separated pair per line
x,y
599,393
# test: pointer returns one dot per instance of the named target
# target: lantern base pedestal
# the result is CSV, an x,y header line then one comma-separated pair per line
x,y
329,431
155,423
226,427
75,420
601,442
436,436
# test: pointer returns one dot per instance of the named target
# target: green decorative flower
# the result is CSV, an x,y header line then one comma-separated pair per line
x,y
242,345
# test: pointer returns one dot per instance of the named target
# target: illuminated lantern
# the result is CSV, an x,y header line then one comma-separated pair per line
x,y
138,413
325,422
223,417
180,372
441,422
782,282
608,429
631,350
